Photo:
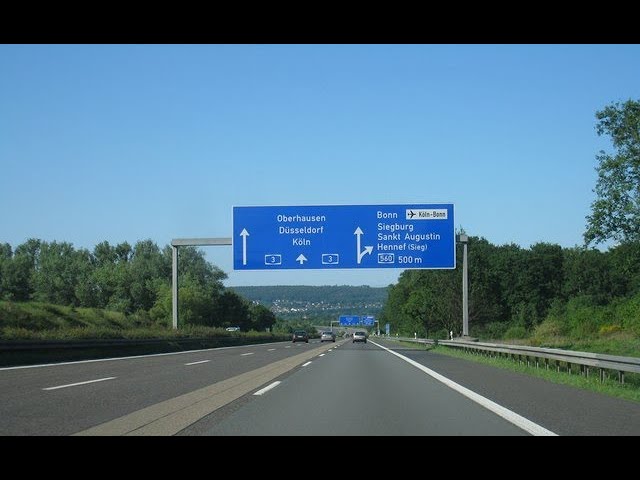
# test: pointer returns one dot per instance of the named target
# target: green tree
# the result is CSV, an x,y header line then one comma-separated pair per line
x,y
485,290
60,272
147,264
616,211
261,317
20,271
393,312
624,268
6,256
233,311
587,272
543,279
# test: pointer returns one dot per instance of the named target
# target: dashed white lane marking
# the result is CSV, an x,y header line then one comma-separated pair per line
x,y
305,364
79,383
197,363
245,354
321,355
134,357
267,388
271,350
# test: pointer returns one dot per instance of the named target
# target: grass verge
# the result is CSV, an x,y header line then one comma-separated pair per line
x,y
629,391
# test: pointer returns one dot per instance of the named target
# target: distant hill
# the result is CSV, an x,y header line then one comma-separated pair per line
x,y
312,302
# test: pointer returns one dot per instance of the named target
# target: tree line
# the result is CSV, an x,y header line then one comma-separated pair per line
x,y
328,294
129,279
514,291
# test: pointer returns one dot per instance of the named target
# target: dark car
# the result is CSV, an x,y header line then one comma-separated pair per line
x,y
300,336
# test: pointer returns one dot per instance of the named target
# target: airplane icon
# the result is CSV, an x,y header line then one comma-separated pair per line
x,y
411,214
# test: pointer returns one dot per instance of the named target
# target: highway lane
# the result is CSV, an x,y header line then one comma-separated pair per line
x,y
55,400
564,409
359,389
354,389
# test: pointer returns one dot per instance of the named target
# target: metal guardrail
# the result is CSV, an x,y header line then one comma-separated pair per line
x,y
585,360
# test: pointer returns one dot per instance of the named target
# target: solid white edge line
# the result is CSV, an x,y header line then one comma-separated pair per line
x,y
245,354
20,367
267,388
79,383
197,363
305,364
510,416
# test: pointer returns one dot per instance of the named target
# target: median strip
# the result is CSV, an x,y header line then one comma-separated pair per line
x,y
172,416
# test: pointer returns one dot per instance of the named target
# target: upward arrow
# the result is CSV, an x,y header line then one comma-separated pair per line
x,y
244,234
368,249
301,258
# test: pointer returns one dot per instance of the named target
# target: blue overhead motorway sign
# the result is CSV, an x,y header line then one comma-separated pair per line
x,y
344,236
349,320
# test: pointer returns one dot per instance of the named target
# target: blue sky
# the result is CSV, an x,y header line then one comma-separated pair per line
x,y
129,142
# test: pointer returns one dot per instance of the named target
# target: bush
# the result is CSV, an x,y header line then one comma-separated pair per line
x,y
516,331
627,314
609,329
495,330
550,328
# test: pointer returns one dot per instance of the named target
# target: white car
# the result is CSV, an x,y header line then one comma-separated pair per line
x,y
233,329
328,336
360,337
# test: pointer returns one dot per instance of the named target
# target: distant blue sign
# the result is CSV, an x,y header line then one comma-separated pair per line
x,y
368,321
344,236
349,320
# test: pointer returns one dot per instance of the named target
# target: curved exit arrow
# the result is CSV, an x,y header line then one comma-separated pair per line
x,y
368,249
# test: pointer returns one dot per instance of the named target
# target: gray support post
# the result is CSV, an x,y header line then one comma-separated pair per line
x,y
602,375
174,286
175,243
465,291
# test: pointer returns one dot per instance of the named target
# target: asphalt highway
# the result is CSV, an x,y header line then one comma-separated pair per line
x,y
342,388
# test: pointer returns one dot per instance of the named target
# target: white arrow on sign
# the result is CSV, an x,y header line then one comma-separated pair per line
x,y
301,258
244,234
368,249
